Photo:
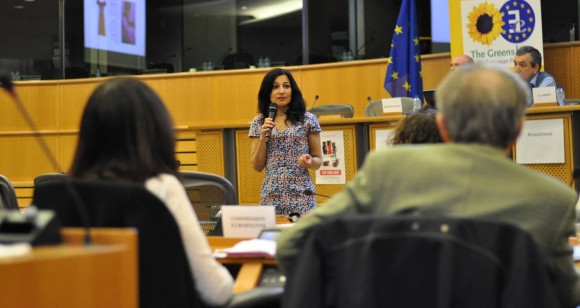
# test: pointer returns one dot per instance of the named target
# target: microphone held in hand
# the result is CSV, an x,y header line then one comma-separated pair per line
x,y
369,99
272,115
309,192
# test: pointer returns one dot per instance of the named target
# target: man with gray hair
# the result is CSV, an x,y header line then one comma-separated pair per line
x,y
528,62
470,175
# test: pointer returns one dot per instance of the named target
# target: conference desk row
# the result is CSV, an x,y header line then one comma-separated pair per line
x,y
102,275
223,147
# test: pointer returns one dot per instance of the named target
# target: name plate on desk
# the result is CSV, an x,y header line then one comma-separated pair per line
x,y
247,221
392,105
541,142
544,96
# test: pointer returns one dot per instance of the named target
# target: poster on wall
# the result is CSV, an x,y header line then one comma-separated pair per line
x,y
332,170
383,138
492,30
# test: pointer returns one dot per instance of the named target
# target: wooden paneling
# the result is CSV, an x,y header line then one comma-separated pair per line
x,y
212,97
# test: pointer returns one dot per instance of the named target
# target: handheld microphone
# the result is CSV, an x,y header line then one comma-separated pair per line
x,y
315,100
272,115
369,99
309,192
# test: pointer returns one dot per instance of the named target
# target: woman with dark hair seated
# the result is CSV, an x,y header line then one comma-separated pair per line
x,y
417,128
126,135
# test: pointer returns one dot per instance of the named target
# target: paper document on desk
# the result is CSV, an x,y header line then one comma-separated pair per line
x,y
15,250
251,248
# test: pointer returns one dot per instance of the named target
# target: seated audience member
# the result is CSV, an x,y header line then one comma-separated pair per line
x,y
528,62
481,114
459,61
126,135
417,128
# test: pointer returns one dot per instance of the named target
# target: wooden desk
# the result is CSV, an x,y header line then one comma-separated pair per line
x,y
72,276
251,268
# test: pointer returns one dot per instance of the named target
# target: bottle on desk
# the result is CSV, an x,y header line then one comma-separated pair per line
x,y
416,104
560,96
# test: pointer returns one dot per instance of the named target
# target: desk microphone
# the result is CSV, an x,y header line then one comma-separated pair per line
x,y
369,99
309,192
6,83
315,100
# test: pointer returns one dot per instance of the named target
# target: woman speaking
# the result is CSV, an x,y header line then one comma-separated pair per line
x,y
286,140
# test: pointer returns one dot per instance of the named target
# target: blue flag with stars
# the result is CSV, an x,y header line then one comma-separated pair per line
x,y
404,77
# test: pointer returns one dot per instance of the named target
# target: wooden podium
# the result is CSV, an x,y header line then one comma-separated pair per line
x,y
70,275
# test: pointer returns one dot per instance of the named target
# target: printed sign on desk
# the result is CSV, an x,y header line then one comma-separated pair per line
x,y
247,221
392,105
541,142
546,95
332,169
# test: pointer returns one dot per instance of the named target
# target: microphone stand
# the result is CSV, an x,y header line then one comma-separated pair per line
x,y
32,125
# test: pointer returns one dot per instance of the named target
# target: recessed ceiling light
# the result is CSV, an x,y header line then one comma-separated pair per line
x,y
28,0
244,7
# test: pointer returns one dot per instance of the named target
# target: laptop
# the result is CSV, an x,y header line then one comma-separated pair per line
x,y
430,98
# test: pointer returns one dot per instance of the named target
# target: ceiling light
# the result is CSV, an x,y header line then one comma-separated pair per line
x,y
19,7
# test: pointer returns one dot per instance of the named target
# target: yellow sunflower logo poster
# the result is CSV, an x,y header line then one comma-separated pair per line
x,y
490,31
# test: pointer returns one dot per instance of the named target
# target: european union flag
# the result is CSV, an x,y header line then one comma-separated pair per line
x,y
404,77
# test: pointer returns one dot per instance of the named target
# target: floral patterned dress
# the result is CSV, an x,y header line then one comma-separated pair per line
x,y
285,181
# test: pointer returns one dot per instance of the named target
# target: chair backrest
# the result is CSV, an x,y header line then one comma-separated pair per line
x,y
418,262
344,110
207,192
375,108
165,278
8,200
47,177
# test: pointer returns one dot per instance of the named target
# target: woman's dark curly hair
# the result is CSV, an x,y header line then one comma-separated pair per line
x,y
297,106
417,128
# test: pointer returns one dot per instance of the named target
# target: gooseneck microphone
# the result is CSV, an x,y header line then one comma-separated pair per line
x,y
272,115
309,192
315,100
6,83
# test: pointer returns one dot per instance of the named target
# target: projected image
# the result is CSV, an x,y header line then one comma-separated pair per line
x,y
128,23
115,26
102,17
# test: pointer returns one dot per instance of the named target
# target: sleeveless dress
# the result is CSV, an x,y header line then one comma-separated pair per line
x,y
285,181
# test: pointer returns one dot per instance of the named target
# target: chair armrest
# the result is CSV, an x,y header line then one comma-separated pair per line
x,y
257,297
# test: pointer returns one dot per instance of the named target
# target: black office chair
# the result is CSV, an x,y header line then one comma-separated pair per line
x,y
238,61
164,274
165,278
415,261
207,192
8,200
48,177
344,110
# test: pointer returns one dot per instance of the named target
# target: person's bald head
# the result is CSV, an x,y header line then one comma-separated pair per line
x,y
460,60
